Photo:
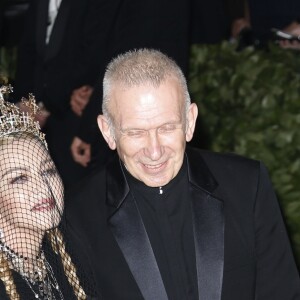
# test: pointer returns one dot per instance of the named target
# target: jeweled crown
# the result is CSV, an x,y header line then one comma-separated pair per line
x,y
14,120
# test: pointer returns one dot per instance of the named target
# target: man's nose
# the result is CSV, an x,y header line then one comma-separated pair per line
x,y
154,149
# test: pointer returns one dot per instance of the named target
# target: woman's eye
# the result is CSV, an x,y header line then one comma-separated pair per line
x,y
50,171
19,179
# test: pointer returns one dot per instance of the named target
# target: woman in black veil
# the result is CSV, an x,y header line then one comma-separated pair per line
x,y
35,260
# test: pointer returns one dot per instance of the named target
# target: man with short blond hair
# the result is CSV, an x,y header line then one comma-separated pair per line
x,y
166,221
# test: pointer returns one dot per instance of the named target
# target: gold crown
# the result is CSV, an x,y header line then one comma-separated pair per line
x,y
13,120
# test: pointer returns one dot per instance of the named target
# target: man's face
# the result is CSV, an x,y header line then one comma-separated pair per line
x,y
151,130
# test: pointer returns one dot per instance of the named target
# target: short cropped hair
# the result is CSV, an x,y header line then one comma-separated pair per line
x,y
137,67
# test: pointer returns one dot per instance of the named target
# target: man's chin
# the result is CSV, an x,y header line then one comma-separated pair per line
x,y
156,182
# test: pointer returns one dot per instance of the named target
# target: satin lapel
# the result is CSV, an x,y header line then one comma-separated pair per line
x,y
58,29
129,231
41,25
208,220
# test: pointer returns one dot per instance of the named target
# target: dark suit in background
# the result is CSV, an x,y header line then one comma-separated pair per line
x,y
208,21
71,59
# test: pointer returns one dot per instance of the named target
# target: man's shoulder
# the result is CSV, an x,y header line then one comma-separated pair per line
x,y
225,164
236,178
224,158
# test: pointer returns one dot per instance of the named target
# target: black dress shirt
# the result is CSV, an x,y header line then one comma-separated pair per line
x,y
166,214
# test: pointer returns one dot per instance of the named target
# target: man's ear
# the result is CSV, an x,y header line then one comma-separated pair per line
x,y
192,115
106,131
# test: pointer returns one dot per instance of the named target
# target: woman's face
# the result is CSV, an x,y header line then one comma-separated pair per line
x,y
31,191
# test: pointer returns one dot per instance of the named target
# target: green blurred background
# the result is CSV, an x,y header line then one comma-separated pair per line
x,y
249,104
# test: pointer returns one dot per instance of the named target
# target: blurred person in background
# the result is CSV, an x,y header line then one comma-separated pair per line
x,y
61,52
255,20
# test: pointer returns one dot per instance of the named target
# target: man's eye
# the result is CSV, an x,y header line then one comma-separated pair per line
x,y
167,128
19,179
136,133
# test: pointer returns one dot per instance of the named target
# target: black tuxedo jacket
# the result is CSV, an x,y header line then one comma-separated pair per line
x,y
242,249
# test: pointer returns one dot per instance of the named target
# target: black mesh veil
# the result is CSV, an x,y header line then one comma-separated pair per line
x,y
36,257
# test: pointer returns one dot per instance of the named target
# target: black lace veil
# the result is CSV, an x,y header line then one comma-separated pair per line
x,y
36,258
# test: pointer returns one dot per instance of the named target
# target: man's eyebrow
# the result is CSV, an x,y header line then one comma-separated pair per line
x,y
163,124
171,122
